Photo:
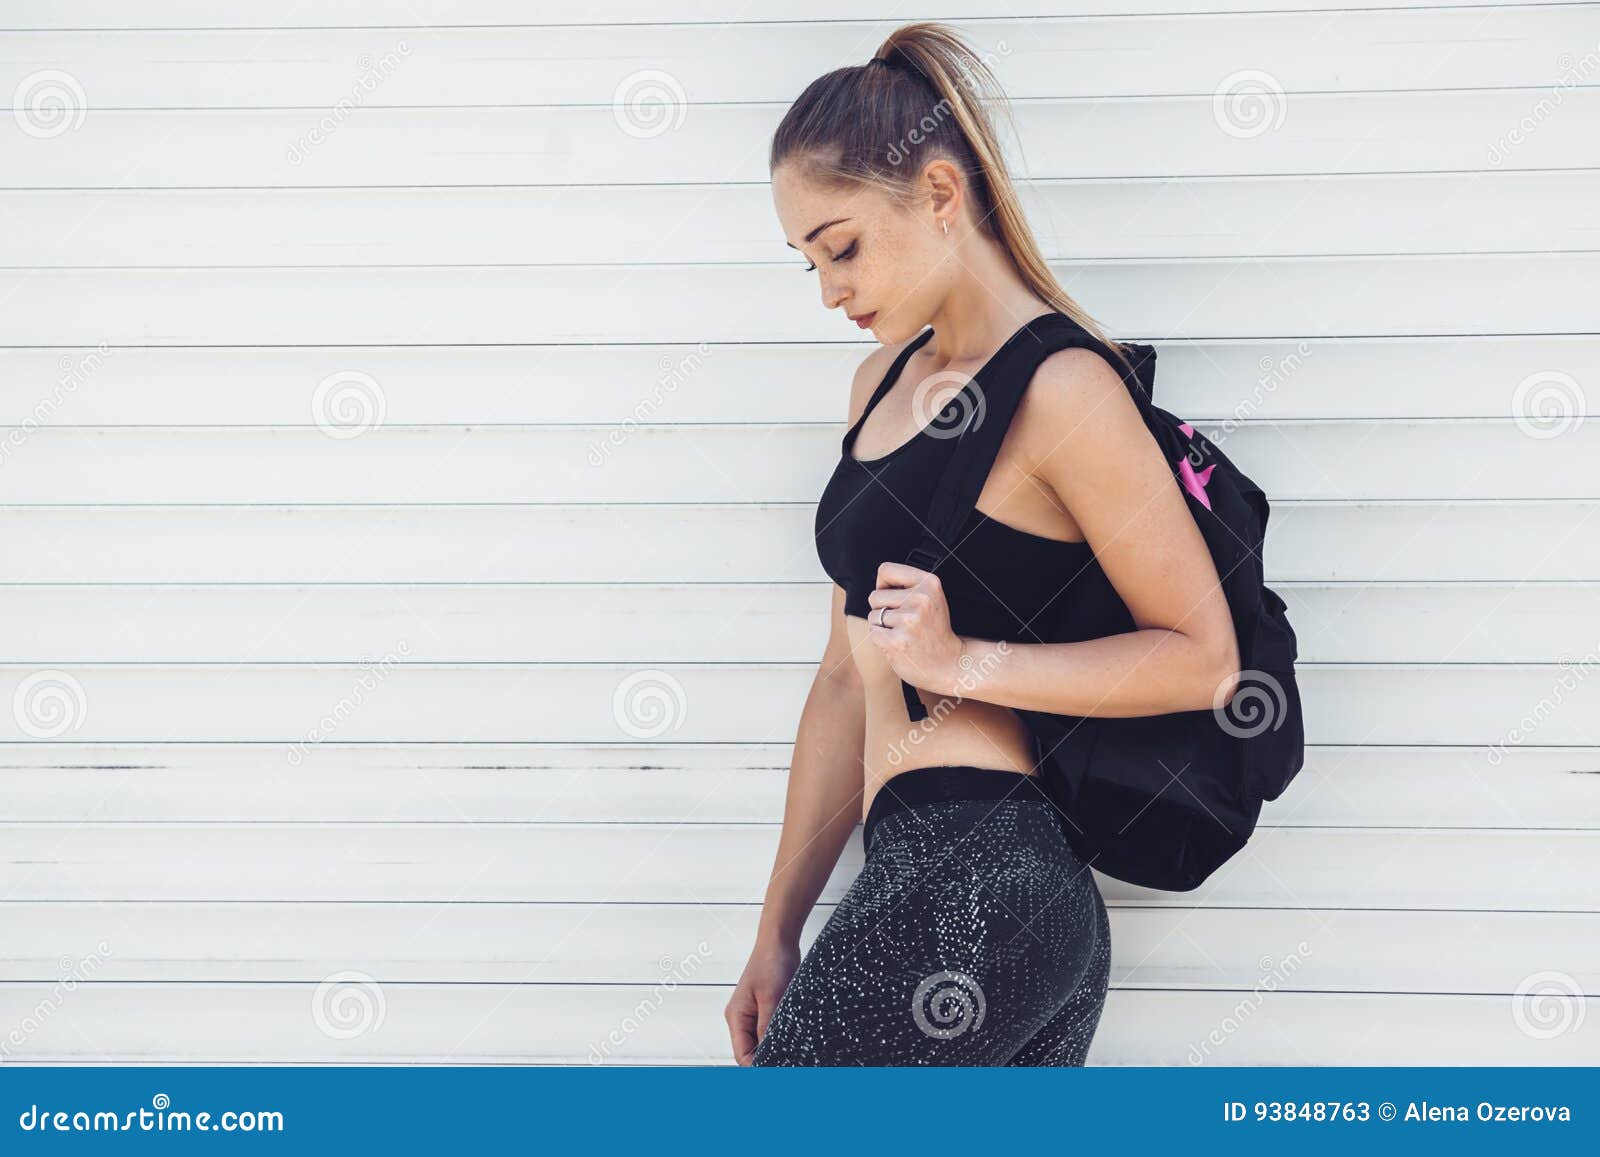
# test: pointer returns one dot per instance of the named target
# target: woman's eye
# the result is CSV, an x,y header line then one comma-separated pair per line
x,y
846,255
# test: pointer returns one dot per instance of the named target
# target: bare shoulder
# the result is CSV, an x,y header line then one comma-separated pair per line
x,y
1077,408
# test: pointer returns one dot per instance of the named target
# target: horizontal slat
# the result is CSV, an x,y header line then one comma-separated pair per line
x,y
1294,949
675,1021
1498,869
1281,297
63,782
1471,459
1337,622
1073,220
1459,130
748,543
1278,379
385,698
1061,57
99,14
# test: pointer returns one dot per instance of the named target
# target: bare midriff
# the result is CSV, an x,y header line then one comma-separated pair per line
x,y
960,731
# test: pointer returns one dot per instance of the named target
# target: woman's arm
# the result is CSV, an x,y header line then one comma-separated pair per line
x,y
1079,431
823,803
821,809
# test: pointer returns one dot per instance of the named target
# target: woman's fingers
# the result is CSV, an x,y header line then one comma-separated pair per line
x,y
741,1017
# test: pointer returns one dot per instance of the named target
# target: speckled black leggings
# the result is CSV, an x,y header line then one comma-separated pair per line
x,y
974,935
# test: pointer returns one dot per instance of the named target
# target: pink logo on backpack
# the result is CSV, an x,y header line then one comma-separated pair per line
x,y
1194,483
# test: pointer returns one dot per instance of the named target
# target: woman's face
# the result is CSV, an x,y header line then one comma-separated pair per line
x,y
878,260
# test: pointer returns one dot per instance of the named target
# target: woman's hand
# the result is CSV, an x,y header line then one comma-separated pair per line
x,y
913,630
766,974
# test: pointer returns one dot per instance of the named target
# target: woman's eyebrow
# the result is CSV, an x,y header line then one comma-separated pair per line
x,y
812,236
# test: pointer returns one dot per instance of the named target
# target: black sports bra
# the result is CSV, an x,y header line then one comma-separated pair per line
x,y
1000,582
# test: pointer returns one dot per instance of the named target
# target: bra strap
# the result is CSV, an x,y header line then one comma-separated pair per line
x,y
889,379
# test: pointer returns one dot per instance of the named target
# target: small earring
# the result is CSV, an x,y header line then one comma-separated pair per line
x,y
946,225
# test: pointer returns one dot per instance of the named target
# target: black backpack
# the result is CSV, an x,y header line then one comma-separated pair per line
x,y
1157,800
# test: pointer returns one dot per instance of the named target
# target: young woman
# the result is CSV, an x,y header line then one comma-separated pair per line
x,y
973,934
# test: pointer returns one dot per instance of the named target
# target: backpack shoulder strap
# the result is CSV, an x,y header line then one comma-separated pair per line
x,y
999,387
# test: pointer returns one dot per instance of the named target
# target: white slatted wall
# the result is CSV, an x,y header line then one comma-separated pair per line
x,y
315,750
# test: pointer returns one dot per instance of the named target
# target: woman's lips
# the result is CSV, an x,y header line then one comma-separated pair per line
x,y
865,321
